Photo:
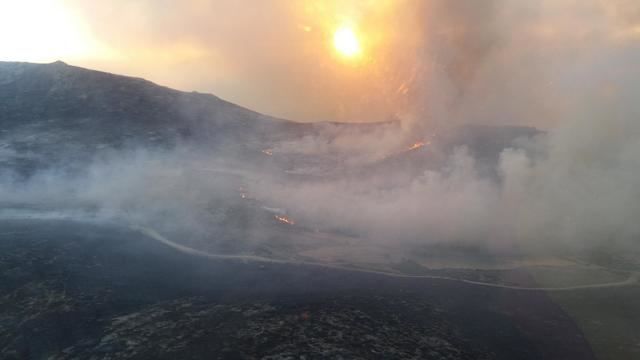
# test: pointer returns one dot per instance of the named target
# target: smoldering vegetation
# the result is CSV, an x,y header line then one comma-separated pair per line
x,y
573,186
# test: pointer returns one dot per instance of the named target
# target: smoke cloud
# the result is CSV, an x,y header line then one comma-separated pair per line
x,y
427,61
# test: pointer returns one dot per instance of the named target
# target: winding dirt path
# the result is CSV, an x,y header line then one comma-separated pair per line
x,y
632,280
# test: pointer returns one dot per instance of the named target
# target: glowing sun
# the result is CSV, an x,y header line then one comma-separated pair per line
x,y
346,42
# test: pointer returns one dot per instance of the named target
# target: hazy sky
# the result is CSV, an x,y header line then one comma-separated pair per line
x,y
278,56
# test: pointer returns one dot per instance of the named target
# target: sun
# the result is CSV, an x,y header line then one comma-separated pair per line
x,y
346,42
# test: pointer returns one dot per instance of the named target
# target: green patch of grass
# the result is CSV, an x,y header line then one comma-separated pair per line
x,y
609,318
574,276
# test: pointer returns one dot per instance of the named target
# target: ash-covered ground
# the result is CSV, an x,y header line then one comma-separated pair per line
x,y
73,290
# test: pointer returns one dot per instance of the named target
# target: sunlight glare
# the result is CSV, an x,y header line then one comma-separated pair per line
x,y
42,31
346,42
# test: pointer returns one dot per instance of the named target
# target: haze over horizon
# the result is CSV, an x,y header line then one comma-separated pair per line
x,y
562,66
503,62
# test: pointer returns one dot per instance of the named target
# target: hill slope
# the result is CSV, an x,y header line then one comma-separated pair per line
x,y
54,111
52,114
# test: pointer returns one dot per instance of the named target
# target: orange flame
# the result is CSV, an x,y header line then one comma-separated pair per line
x,y
284,220
417,145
